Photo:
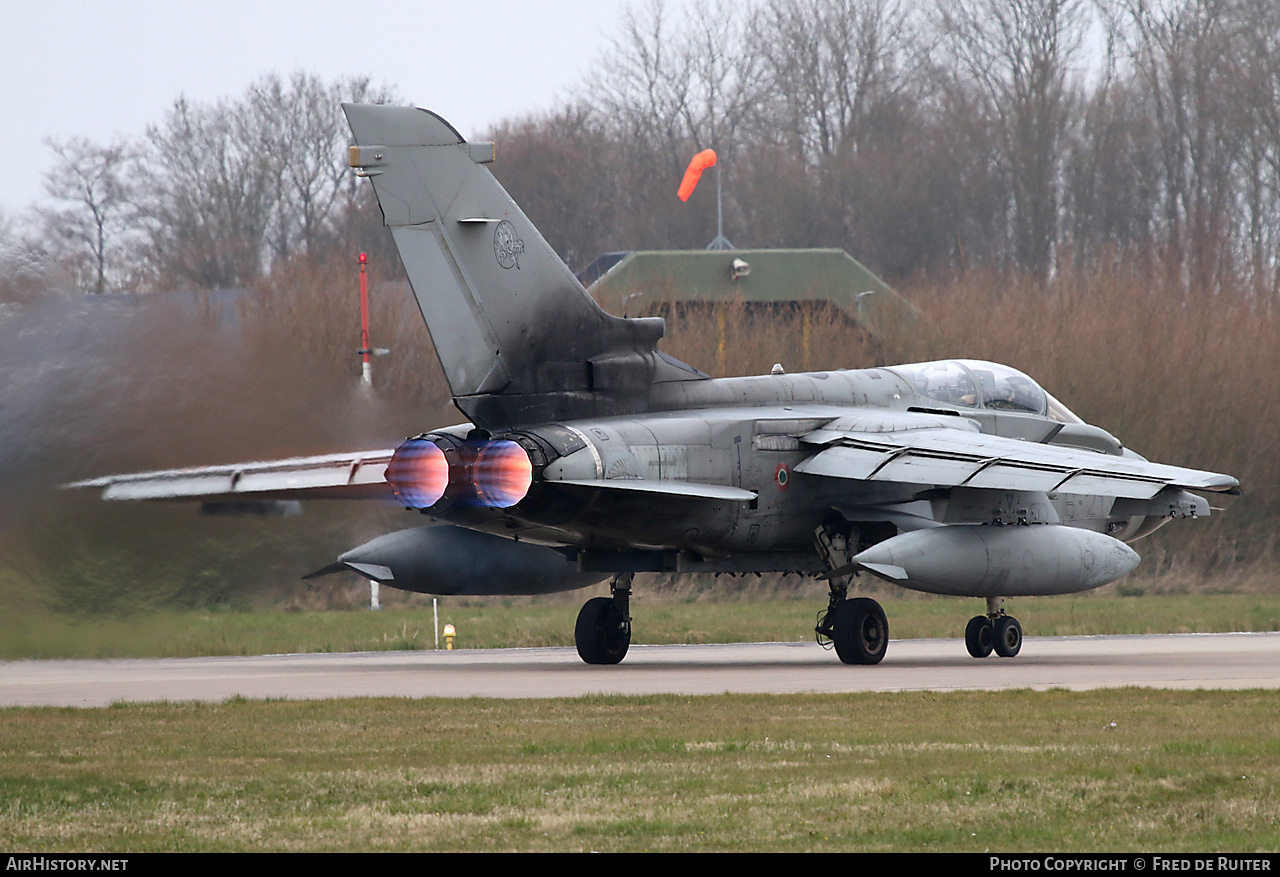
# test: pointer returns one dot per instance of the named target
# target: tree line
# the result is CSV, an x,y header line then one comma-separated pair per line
x,y
1102,177
214,195
925,138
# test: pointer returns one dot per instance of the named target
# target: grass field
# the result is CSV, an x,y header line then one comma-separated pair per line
x,y
1017,771
1109,770
501,623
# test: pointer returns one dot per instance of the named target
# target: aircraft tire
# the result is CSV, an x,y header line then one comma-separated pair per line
x,y
861,631
1008,636
601,634
979,636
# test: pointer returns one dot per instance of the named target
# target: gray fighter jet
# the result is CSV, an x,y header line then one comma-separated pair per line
x,y
590,454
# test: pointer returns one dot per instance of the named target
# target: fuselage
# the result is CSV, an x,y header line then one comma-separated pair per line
x,y
745,433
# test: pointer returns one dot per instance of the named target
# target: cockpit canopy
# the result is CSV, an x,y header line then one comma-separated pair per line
x,y
972,383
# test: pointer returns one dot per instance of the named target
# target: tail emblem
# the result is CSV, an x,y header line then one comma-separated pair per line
x,y
506,246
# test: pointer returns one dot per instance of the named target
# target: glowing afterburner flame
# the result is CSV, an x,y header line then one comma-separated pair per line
x,y
502,474
418,473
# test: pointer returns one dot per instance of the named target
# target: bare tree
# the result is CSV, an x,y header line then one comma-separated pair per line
x,y
238,185
723,65
94,182
208,207
1257,93
1019,55
646,87
1111,187
669,86
300,122
832,65
1181,58
845,82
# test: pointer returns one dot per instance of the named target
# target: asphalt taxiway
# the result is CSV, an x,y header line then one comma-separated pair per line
x,y
1220,661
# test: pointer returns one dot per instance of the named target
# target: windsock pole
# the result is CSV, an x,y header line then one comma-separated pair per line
x,y
719,204
720,242
703,160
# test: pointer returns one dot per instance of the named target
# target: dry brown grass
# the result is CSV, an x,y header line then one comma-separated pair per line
x,y
314,303
1181,377
1185,378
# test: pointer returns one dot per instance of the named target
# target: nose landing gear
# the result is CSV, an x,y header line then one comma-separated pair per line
x,y
994,631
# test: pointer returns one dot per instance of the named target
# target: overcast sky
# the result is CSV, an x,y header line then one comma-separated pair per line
x,y
100,69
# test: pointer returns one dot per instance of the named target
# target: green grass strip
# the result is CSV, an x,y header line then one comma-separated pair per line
x,y
506,623
1014,771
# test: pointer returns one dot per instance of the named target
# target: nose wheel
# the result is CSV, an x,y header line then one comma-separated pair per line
x,y
1008,636
993,632
979,636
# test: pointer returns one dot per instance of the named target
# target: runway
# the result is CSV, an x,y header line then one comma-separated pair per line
x,y
1222,661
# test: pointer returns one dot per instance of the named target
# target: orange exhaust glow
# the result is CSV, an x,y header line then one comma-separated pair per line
x,y
502,474
418,473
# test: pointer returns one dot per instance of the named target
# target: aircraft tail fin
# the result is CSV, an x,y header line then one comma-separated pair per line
x,y
519,338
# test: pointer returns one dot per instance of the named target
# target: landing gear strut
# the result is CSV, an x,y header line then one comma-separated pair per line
x,y
603,631
994,631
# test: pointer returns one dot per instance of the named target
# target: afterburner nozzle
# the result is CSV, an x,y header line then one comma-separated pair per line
x,y
418,473
502,474
440,472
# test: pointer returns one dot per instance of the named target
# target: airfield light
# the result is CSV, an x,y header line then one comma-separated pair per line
x,y
502,474
418,473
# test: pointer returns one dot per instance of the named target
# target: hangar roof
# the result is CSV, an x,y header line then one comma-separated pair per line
x,y
633,281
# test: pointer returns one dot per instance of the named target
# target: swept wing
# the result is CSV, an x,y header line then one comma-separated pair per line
x,y
359,475
959,456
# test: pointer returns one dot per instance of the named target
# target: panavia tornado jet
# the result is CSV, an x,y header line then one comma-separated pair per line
x,y
589,454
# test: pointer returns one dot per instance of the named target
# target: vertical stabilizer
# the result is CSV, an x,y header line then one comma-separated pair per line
x,y
520,340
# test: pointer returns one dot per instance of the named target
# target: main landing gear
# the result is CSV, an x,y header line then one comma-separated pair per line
x,y
856,627
603,631
994,631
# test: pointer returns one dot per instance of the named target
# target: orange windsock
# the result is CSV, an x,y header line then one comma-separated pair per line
x,y
703,160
